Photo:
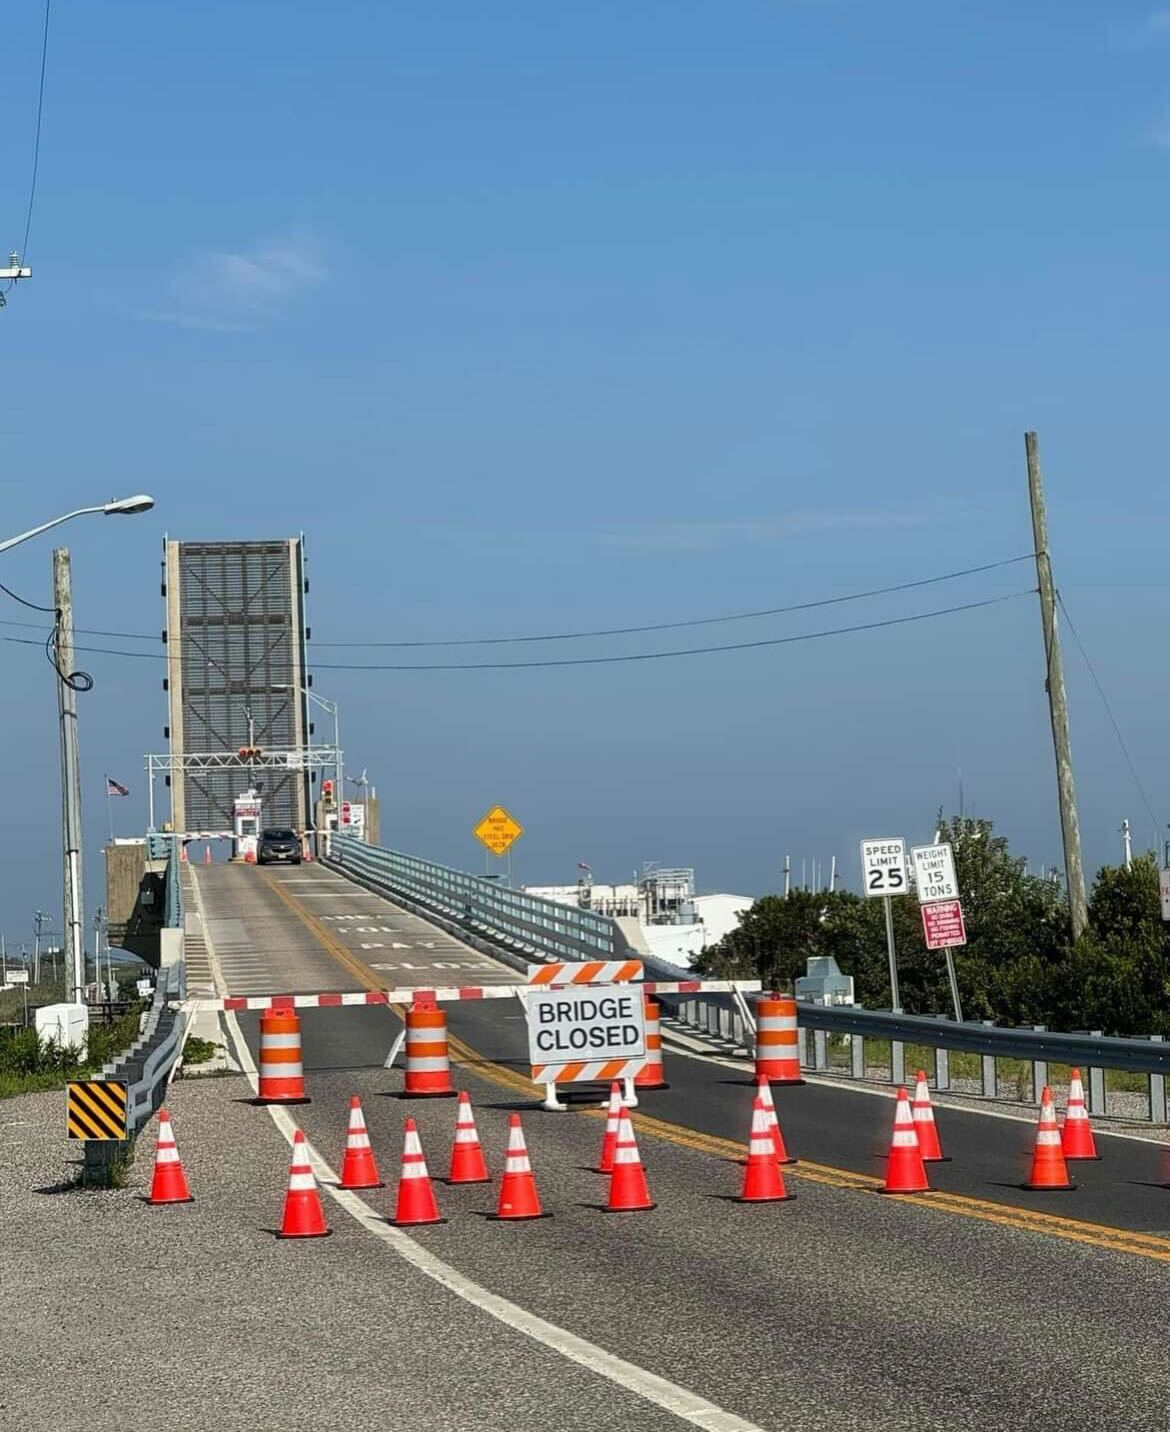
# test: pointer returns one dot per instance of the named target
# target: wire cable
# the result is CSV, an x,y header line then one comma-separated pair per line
x,y
36,162
609,631
1112,719
693,621
594,660
33,606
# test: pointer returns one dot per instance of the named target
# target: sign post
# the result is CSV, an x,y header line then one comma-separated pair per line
x,y
883,869
1164,892
942,914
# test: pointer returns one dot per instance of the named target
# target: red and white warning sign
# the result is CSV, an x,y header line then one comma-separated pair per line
x,y
942,924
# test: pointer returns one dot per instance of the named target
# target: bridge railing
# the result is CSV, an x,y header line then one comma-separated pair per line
x,y
871,1044
527,926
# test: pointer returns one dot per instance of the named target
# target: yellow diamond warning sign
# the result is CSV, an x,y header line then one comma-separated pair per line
x,y
498,830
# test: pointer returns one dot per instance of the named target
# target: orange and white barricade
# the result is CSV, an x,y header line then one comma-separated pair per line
x,y
777,1040
428,1065
652,1075
282,1069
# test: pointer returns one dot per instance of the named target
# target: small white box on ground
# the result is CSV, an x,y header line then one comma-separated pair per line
x,y
64,1024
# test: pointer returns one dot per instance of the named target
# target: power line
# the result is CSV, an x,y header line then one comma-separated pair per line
x,y
612,631
694,621
665,655
33,606
1112,719
36,161
594,660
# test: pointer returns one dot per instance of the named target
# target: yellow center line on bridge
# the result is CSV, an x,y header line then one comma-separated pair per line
x,y
1093,1235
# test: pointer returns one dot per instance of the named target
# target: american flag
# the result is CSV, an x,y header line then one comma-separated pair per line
x,y
115,788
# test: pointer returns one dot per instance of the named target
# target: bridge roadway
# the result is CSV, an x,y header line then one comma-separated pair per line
x,y
975,1307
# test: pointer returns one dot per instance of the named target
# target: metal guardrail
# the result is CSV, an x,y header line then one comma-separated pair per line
x,y
527,926
147,1063
1037,1047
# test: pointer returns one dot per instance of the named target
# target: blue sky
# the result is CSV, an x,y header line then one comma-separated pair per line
x,y
543,316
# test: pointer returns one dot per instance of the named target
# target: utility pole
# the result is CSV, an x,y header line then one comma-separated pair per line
x,y
70,779
787,875
1127,843
39,918
1074,872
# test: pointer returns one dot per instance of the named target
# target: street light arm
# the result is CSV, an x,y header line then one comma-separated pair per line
x,y
44,527
119,505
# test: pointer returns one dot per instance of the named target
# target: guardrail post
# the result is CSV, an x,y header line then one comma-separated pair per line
x,y
897,1062
990,1073
857,1055
711,1016
820,1049
942,1068
1157,1091
724,1022
1039,1070
1096,1084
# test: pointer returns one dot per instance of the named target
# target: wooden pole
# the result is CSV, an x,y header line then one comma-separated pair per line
x,y
1074,872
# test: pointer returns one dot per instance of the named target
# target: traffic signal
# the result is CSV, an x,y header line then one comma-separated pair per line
x,y
249,753
327,792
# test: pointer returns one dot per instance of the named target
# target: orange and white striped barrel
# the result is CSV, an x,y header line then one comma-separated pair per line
x,y
428,1068
282,1071
652,1075
777,1042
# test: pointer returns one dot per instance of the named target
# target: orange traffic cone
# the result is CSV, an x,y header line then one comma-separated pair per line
x,y
518,1196
764,1091
184,858
762,1179
1076,1138
358,1169
416,1195
905,1171
628,1190
467,1163
303,1215
609,1141
1049,1170
924,1125
169,1184
207,854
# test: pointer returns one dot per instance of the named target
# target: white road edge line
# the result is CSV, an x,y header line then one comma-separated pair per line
x,y
679,1401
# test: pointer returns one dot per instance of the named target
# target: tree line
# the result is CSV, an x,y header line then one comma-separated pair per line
x,y
1020,964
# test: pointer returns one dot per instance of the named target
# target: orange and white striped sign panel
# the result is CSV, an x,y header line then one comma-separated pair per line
x,y
579,1035
562,972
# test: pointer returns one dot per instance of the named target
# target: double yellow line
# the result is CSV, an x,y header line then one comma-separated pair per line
x,y
1094,1235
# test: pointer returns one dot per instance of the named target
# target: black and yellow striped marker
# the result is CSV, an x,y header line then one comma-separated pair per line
x,y
96,1109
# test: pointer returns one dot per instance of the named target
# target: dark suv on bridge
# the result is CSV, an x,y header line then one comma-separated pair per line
x,y
278,845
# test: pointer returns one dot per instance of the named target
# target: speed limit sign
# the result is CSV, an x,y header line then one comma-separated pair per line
x,y
883,866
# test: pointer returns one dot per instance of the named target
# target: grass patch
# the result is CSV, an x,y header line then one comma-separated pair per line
x,y
29,1064
199,1051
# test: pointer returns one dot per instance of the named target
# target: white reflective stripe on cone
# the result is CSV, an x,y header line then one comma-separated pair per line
x,y
300,1182
414,1170
281,1071
428,1034
427,1064
279,1041
167,1153
905,1139
1048,1136
517,1163
465,1134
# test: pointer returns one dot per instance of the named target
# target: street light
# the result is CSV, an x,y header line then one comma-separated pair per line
x,y
118,506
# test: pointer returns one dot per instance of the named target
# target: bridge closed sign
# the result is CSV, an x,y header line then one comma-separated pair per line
x,y
577,1035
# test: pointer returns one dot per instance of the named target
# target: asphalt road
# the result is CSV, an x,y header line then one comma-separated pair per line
x,y
840,1309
